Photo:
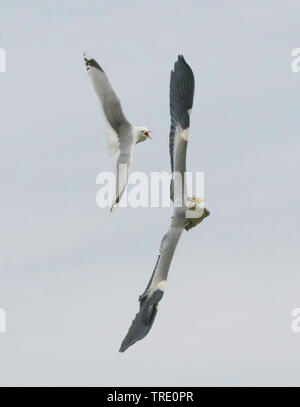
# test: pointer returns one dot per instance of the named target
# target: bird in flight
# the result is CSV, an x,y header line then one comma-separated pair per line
x,y
187,210
123,135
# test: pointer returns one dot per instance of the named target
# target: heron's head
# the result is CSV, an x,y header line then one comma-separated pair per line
x,y
193,202
194,213
142,133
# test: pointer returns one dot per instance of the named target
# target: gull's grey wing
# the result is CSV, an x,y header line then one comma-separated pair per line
x,y
154,291
108,99
182,87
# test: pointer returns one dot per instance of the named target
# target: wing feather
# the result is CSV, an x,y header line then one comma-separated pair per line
x,y
109,101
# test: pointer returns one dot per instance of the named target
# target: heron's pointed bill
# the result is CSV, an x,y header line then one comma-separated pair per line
x,y
147,134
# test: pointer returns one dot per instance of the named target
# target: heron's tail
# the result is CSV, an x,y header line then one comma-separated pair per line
x,y
143,320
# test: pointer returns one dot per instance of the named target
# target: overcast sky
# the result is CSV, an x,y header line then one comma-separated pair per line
x,y
71,273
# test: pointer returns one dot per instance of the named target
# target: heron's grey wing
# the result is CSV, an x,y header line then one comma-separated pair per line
x,y
108,99
122,172
182,87
154,291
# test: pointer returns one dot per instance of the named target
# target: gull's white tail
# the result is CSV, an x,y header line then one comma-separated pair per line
x,y
112,142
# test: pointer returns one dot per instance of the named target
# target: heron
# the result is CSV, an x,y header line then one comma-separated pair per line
x,y
187,213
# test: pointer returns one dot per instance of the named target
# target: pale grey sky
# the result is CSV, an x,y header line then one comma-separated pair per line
x,y
71,273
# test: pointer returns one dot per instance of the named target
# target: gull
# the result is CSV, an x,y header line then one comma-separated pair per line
x,y
188,212
123,135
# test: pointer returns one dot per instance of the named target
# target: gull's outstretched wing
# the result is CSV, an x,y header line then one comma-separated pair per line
x,y
154,291
182,87
109,101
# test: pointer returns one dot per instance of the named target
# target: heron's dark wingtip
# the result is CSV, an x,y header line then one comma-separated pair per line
x,y
143,321
137,331
181,60
182,87
122,349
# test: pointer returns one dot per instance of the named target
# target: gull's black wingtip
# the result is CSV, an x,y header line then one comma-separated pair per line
x,y
91,62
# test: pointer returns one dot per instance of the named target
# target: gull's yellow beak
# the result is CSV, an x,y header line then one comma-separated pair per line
x,y
147,134
199,200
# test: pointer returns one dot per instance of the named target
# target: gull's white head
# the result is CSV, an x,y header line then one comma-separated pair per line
x,y
141,134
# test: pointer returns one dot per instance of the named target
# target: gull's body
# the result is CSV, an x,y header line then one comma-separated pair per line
x,y
123,135
187,212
